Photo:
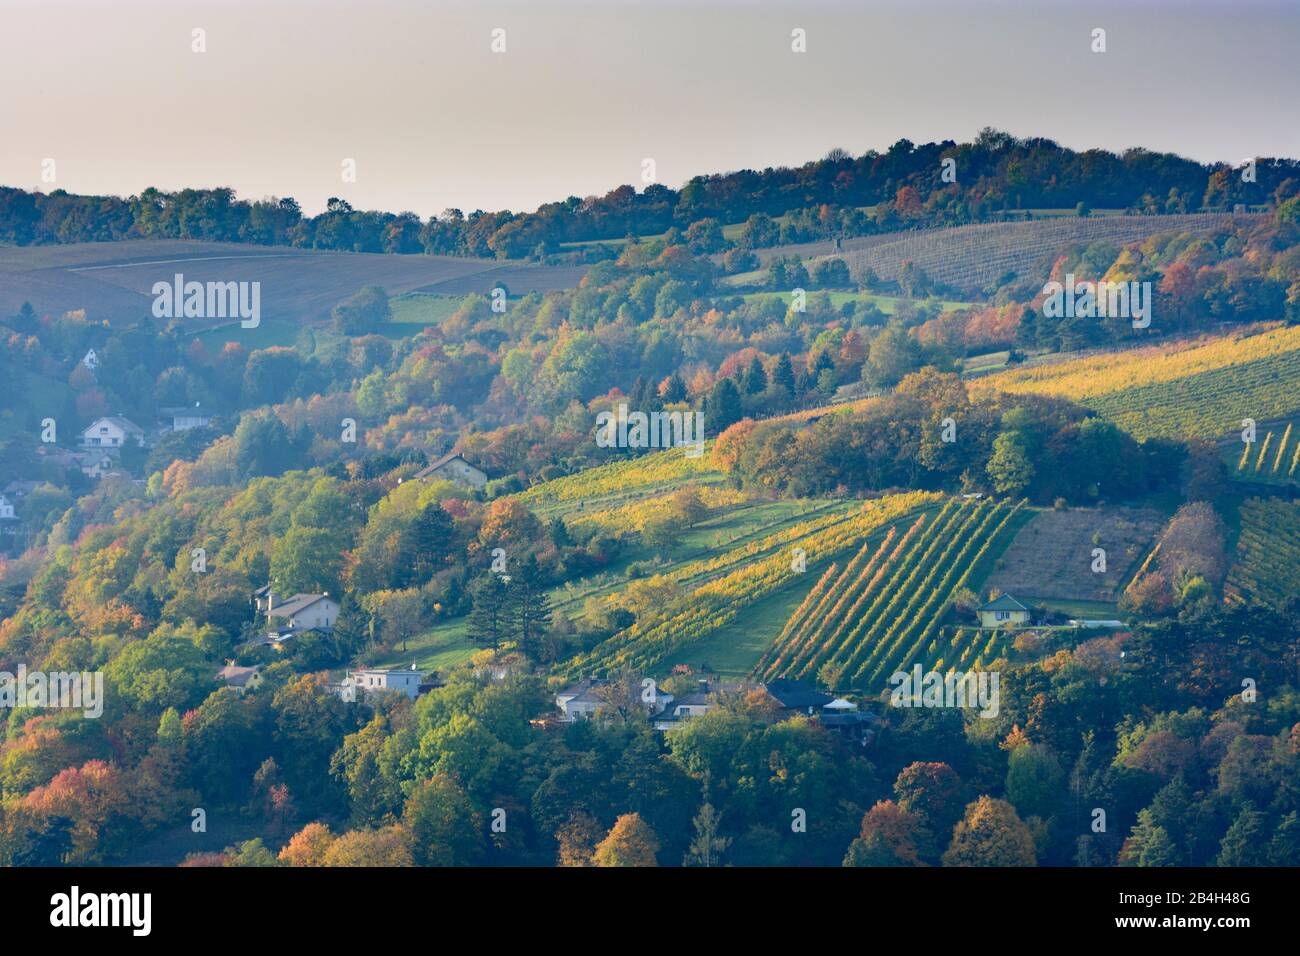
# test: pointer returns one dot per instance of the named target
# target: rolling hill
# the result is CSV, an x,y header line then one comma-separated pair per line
x,y
112,280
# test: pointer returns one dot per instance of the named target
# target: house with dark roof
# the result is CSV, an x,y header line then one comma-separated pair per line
x,y
1003,611
453,467
585,698
185,417
796,697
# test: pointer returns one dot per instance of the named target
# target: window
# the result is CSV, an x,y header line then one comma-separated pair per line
x,y
1001,615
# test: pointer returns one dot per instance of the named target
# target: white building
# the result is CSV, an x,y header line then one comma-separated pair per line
x,y
452,467
185,417
581,701
6,509
302,611
90,360
379,680
112,432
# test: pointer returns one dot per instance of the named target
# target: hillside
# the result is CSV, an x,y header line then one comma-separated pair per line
x,y
112,281
1192,389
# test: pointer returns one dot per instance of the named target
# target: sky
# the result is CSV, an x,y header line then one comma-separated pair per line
x,y
113,92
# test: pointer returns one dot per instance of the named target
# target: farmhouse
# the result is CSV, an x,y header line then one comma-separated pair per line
x,y
1003,611
240,679
379,680
453,467
303,611
185,418
113,431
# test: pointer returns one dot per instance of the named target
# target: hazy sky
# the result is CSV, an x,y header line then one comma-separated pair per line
x,y
112,92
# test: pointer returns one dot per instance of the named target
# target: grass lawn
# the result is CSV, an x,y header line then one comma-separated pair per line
x,y
1096,610
268,333
422,308
735,648
986,363
440,647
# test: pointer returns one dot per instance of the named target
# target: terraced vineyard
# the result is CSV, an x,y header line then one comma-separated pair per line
x,y
1267,563
1203,390
882,612
725,586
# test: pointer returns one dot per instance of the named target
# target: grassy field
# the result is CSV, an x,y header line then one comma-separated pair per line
x,y
1052,558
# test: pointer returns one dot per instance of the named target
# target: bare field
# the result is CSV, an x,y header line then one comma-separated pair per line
x,y
1052,556
112,280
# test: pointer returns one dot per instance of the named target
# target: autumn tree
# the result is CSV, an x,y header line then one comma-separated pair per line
x,y
990,834
630,842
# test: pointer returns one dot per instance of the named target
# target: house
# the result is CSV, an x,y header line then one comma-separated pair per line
x,y
240,679
453,467
582,701
380,680
19,489
302,611
94,464
113,431
90,360
796,697
695,704
1003,611
184,418
7,510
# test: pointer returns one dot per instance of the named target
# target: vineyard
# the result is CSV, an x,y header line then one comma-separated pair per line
x,y
1271,461
621,481
883,611
721,588
1201,390
1267,562
972,257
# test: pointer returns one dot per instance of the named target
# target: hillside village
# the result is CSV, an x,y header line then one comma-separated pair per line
x,y
363,575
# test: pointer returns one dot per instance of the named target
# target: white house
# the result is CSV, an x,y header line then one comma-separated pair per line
x,y
303,611
90,360
112,432
184,418
7,510
581,701
452,467
379,680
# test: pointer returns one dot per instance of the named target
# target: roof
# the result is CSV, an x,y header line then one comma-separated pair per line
x,y
1003,602
795,694
123,423
295,604
183,411
432,467
237,676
